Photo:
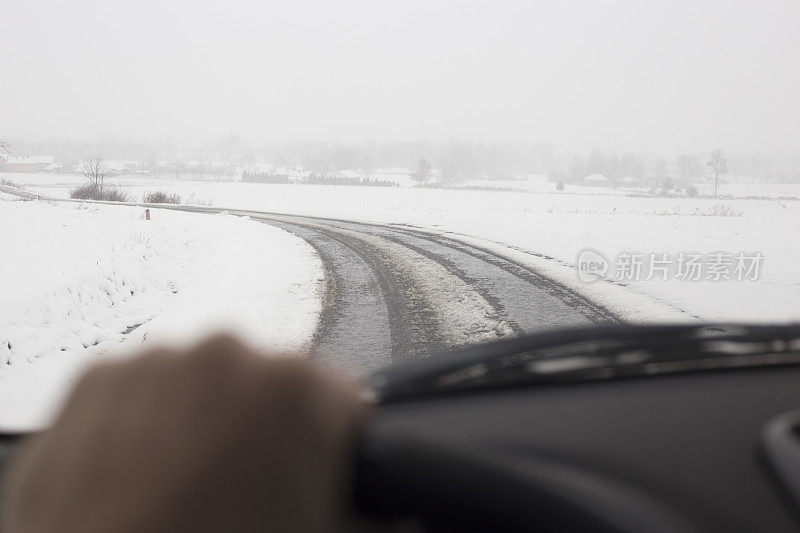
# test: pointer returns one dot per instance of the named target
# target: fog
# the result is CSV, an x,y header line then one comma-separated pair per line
x,y
668,76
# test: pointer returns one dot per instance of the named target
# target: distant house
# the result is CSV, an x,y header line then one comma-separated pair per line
x,y
30,163
596,179
295,175
347,175
119,167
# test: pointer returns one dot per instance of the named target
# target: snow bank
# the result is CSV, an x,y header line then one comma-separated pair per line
x,y
82,281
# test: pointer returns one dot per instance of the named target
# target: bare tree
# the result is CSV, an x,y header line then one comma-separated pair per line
x,y
719,165
4,147
423,172
96,171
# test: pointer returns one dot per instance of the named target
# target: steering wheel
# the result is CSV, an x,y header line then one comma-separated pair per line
x,y
447,488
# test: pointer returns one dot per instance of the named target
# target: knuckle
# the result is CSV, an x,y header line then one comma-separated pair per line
x,y
218,349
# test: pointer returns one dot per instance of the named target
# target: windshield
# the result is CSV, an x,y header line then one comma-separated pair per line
x,y
372,184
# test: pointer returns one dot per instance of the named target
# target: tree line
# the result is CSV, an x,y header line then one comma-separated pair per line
x,y
452,161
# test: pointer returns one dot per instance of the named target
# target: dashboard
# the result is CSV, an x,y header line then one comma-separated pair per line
x,y
677,452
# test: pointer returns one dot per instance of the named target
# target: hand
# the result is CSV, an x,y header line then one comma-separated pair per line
x,y
216,439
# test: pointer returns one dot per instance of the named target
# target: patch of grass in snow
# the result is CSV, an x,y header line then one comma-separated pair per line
x,y
719,210
91,191
92,208
138,239
161,197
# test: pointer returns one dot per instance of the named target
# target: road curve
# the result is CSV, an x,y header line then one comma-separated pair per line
x,y
395,293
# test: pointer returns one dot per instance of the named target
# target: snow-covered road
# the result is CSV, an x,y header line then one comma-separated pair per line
x,y
396,294
414,293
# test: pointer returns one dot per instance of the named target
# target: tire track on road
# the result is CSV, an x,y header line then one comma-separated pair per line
x,y
593,313
438,293
354,330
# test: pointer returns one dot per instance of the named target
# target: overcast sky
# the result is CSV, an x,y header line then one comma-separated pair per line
x,y
669,75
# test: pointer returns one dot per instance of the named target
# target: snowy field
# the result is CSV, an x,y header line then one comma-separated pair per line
x,y
74,278
548,230
187,273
